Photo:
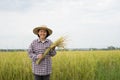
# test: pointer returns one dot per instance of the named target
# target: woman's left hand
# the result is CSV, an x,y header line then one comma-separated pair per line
x,y
53,48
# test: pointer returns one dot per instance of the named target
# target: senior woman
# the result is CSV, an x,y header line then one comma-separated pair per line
x,y
36,49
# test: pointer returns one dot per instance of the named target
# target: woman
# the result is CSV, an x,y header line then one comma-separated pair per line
x,y
43,70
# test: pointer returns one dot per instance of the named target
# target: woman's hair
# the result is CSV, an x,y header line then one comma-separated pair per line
x,y
46,35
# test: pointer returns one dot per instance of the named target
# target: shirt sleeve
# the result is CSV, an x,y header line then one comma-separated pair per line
x,y
31,53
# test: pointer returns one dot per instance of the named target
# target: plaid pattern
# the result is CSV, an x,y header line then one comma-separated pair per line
x,y
37,47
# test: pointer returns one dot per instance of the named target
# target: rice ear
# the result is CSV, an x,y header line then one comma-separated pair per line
x,y
60,43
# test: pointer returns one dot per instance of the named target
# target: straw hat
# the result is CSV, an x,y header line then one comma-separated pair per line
x,y
44,27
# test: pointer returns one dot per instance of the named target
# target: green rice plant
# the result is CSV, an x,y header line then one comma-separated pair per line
x,y
66,65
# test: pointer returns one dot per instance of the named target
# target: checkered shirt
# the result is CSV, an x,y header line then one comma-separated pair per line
x,y
37,47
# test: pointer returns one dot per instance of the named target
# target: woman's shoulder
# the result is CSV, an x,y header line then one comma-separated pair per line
x,y
34,41
49,40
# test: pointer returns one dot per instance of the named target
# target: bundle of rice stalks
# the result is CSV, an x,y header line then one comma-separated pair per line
x,y
60,43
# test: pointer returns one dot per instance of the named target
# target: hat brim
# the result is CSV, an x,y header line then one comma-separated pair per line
x,y
35,30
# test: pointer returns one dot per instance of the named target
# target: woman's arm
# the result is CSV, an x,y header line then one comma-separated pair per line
x,y
31,53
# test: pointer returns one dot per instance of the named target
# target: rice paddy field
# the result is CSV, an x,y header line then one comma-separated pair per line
x,y
66,65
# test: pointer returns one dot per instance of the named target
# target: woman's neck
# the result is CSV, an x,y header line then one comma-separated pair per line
x,y
41,39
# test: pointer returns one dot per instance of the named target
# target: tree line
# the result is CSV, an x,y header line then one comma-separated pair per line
x,y
73,49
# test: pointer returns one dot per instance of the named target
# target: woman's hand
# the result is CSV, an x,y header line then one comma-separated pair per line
x,y
39,56
53,48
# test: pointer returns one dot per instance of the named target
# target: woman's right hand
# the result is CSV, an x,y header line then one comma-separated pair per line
x,y
39,56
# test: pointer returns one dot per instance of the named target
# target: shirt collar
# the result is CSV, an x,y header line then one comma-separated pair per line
x,y
46,40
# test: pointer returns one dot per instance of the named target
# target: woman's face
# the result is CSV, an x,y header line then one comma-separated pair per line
x,y
42,33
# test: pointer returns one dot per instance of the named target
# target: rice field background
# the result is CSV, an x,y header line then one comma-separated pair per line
x,y
67,65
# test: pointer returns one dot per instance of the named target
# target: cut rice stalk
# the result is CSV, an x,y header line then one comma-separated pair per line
x,y
60,43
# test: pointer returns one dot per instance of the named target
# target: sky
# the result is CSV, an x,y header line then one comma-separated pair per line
x,y
86,23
